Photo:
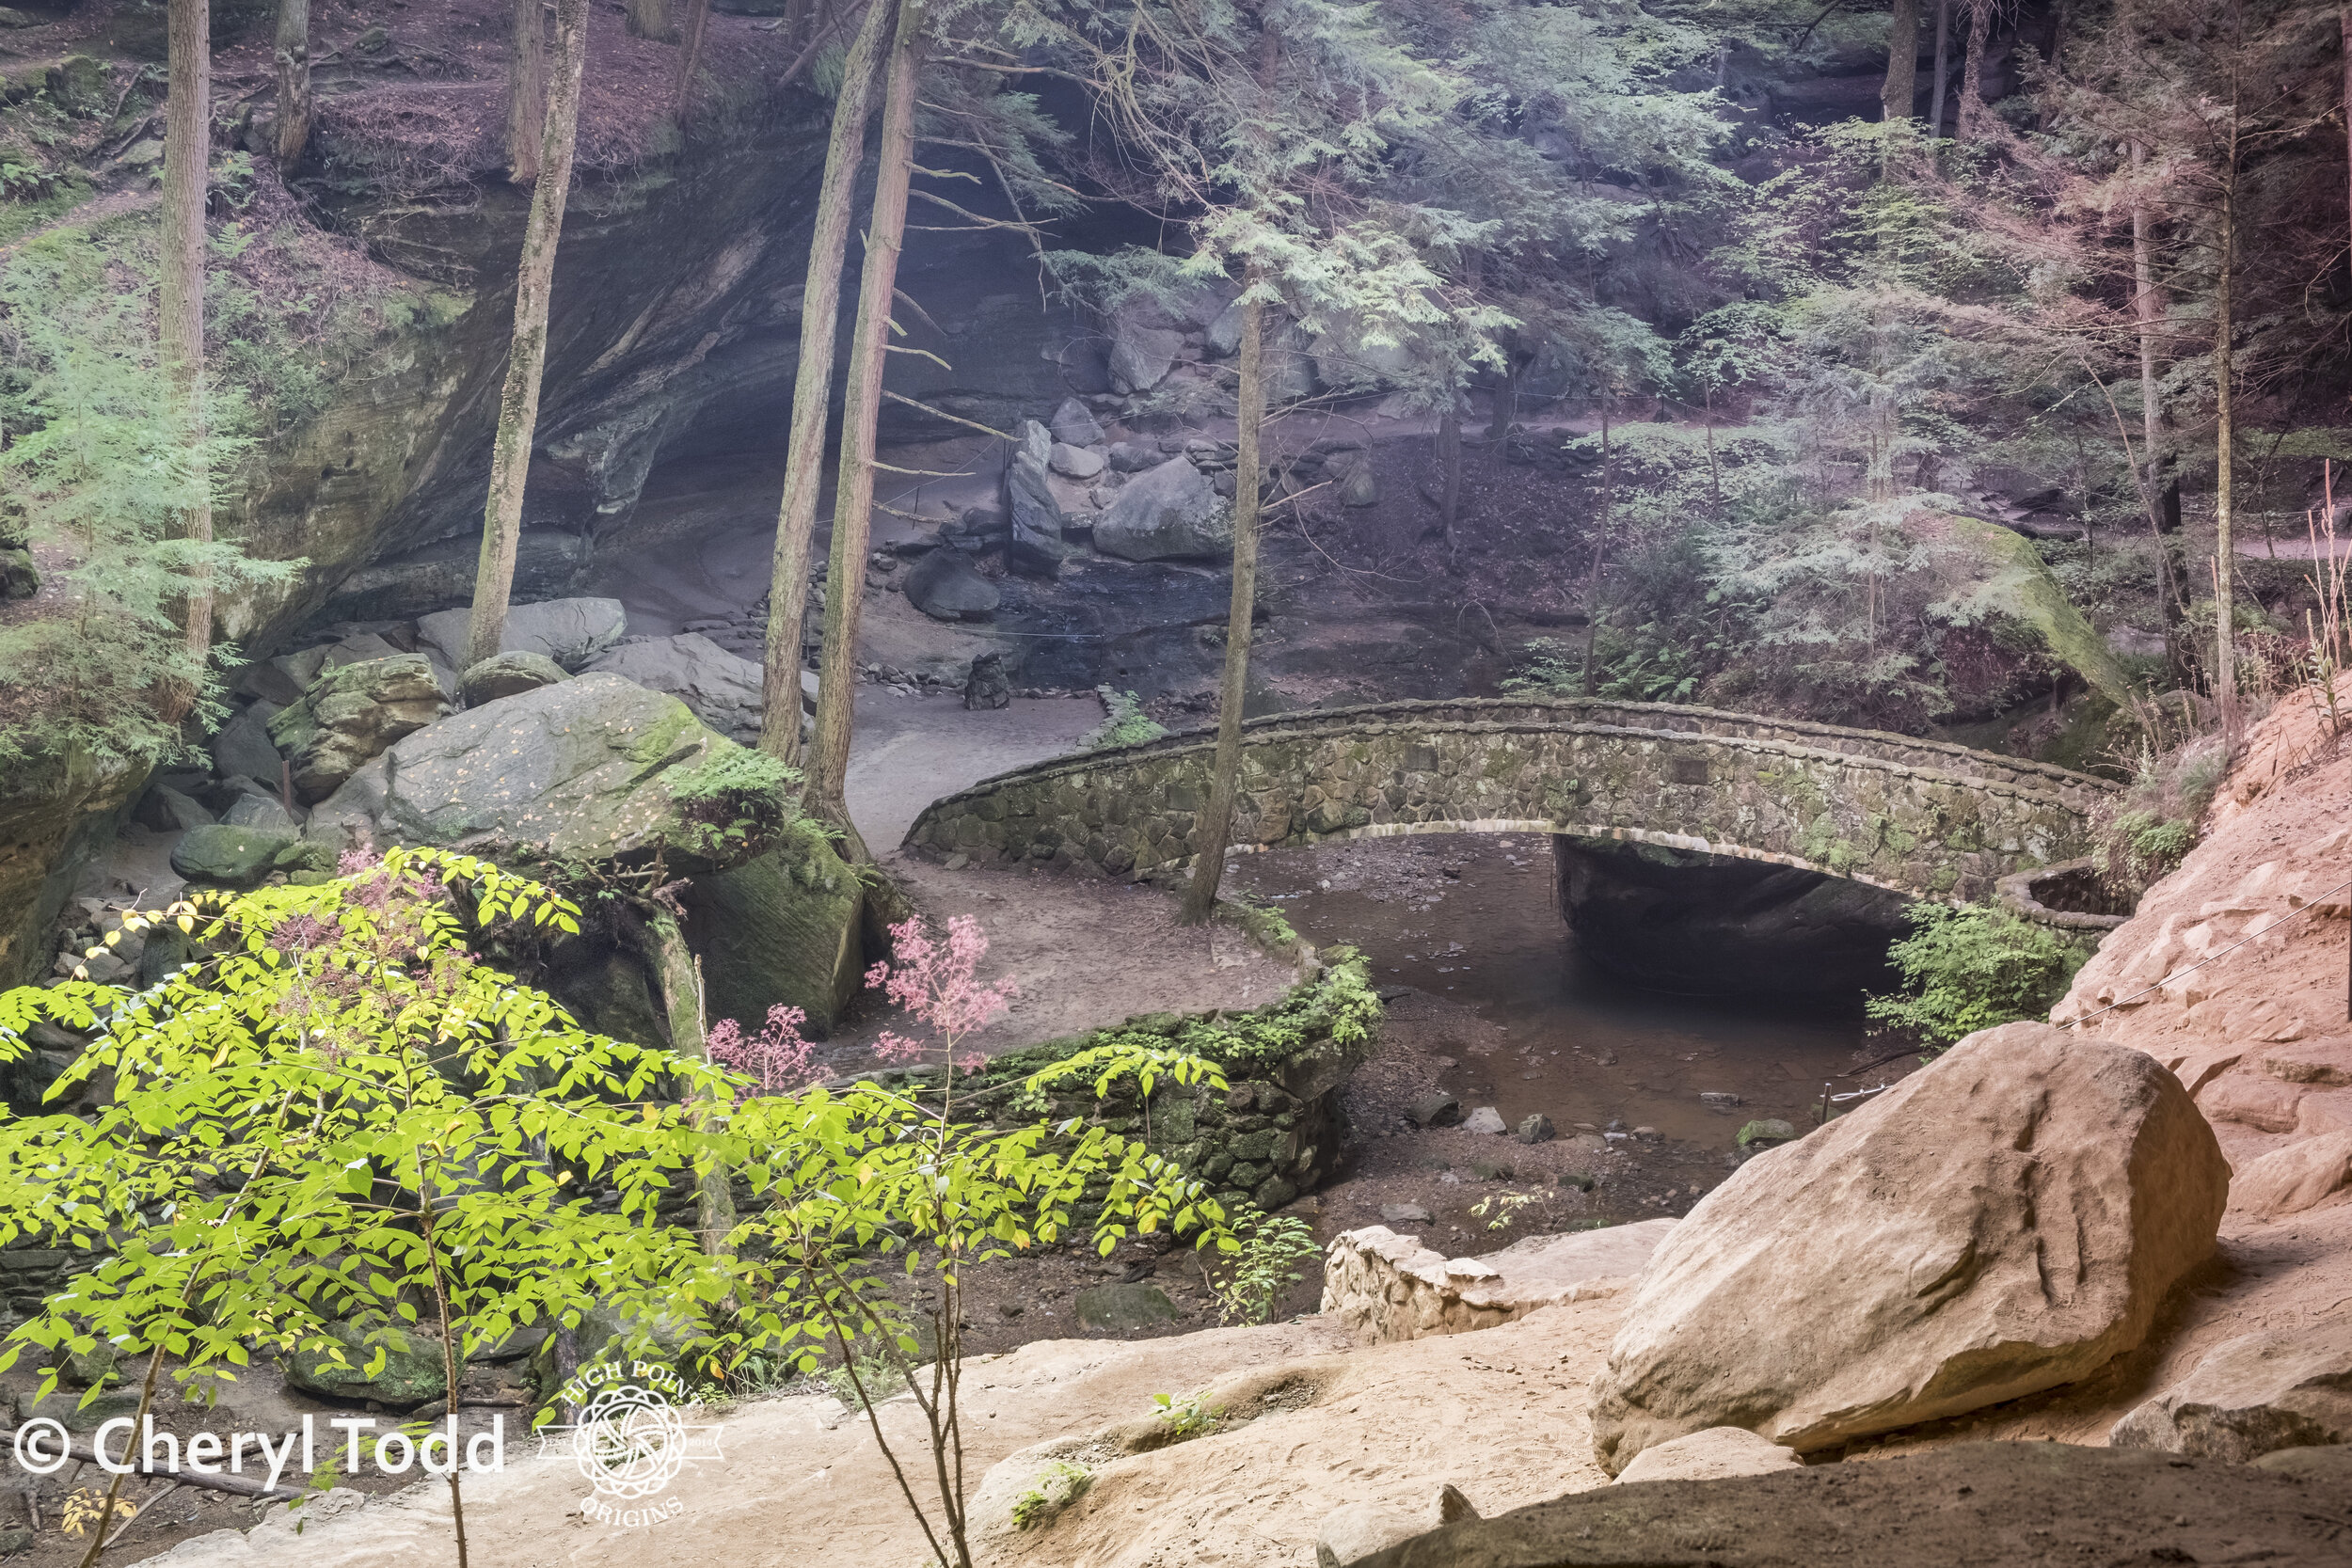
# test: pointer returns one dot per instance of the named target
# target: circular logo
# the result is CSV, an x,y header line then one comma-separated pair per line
x,y
629,1443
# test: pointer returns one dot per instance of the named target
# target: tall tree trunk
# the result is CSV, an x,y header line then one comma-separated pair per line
x,y
650,19
1506,400
827,791
1214,827
1450,463
2147,310
2345,21
1601,554
690,51
294,80
527,355
1942,66
2224,545
187,157
1901,88
526,90
1972,68
812,389
681,985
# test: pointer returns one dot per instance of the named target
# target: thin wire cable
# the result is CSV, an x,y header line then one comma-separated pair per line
x,y
2208,958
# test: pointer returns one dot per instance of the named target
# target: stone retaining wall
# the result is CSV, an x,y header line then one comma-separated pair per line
x,y
1917,816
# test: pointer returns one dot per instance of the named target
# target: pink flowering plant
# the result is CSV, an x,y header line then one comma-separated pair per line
x,y
777,1060
862,1190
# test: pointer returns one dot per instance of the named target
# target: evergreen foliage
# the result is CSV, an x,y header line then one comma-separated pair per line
x,y
98,466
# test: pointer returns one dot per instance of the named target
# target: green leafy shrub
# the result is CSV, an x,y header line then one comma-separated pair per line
x,y
2144,833
735,799
1125,723
1971,968
1061,1484
1263,1265
1191,1417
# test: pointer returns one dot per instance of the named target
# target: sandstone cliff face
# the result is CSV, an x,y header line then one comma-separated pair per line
x,y
2234,969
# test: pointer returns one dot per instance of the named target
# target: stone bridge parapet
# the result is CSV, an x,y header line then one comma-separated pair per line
x,y
1922,817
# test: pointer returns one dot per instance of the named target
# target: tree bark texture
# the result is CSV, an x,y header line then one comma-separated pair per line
x,y
681,986
812,389
2224,545
1972,68
650,19
1450,463
1601,554
292,57
1214,827
526,90
1900,89
188,158
527,355
826,794
2148,308
690,49
1942,66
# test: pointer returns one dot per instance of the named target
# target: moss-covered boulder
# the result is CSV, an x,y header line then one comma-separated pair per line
x,y
592,769
1996,574
411,1372
350,715
783,929
221,854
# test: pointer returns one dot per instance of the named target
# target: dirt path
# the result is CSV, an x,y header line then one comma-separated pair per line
x,y
911,750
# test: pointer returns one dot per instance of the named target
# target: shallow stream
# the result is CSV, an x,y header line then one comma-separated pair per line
x,y
1471,918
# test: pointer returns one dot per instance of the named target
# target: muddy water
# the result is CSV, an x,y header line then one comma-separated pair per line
x,y
1471,918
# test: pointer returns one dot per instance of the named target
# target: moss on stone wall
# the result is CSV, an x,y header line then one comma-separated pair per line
x,y
1274,1132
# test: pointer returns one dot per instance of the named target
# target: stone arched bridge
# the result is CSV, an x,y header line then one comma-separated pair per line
x,y
1917,816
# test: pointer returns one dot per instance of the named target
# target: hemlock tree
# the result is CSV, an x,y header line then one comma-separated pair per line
x,y
526,88
649,18
187,162
812,389
853,489
1900,91
292,56
526,359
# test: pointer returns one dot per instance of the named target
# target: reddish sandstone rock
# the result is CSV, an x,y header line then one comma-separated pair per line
x,y
2003,1221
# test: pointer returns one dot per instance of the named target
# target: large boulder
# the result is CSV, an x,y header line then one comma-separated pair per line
x,y
2253,1396
1711,1455
1035,522
945,587
2301,1176
220,855
589,770
781,929
1142,354
722,689
1075,425
2003,1221
509,675
1971,1505
350,715
244,746
1165,512
410,1373
572,632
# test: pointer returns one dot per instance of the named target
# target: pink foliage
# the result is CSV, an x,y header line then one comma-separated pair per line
x,y
936,983
780,1058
